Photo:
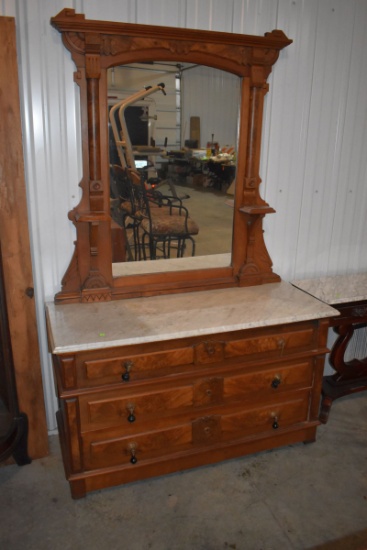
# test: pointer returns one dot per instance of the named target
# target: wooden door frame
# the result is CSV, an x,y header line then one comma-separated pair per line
x,y
15,245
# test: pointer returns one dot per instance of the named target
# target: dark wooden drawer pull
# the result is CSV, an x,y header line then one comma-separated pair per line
x,y
128,365
132,447
281,345
131,409
275,422
276,382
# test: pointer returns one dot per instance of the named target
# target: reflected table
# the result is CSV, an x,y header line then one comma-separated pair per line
x,y
347,294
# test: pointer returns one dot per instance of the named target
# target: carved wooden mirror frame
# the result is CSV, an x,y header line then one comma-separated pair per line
x,y
96,46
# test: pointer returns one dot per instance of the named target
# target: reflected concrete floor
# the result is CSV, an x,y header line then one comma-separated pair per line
x,y
213,213
297,497
212,210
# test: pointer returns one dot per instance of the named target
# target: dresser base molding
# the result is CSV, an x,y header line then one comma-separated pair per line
x,y
85,482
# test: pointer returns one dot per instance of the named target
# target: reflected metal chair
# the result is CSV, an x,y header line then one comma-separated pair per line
x,y
161,224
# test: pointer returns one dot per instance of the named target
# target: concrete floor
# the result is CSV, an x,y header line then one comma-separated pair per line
x,y
298,497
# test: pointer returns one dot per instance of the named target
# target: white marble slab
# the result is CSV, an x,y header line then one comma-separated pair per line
x,y
173,264
336,289
77,327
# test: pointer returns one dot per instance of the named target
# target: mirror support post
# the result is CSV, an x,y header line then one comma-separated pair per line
x,y
257,267
95,287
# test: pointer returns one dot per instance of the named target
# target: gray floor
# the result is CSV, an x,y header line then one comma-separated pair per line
x,y
298,497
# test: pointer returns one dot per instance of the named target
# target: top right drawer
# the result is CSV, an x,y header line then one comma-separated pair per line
x,y
273,343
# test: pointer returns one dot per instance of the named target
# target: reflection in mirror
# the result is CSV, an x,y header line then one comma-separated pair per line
x,y
172,153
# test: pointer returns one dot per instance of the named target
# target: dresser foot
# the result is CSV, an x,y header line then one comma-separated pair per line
x,y
326,403
77,489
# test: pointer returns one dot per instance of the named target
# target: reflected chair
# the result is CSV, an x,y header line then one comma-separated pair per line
x,y
167,227
122,209
162,225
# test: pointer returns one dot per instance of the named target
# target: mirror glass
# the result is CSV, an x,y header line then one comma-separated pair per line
x,y
173,130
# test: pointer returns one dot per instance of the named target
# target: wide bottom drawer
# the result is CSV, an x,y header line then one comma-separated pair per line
x,y
111,448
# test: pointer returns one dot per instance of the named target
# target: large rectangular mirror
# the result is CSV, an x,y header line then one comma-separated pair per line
x,y
181,122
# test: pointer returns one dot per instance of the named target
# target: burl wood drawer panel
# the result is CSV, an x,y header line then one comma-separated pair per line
x,y
266,382
270,342
132,411
132,367
162,359
273,344
134,408
111,448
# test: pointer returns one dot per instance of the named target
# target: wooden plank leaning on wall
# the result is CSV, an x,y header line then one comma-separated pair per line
x,y
16,248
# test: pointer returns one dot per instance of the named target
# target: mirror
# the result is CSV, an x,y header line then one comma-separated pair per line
x,y
180,132
98,47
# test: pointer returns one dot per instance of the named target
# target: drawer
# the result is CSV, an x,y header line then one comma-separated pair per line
x,y
269,342
135,363
131,411
122,366
111,448
133,408
272,343
269,381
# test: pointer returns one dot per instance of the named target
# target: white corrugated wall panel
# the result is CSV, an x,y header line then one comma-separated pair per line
x,y
314,162
214,96
284,155
324,143
348,241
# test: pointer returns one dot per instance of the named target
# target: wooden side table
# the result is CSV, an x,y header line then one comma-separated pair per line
x,y
347,294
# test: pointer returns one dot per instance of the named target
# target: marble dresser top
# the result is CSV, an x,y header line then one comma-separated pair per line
x,y
79,327
336,289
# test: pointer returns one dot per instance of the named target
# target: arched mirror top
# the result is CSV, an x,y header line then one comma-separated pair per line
x,y
97,46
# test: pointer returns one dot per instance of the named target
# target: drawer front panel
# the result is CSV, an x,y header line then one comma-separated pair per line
x,y
134,367
278,344
130,412
273,417
121,450
198,433
269,382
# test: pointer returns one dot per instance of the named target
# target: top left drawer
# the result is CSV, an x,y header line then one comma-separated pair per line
x,y
90,370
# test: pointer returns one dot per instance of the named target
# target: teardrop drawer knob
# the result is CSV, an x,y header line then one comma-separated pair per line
x,y
131,409
128,365
276,382
132,447
275,422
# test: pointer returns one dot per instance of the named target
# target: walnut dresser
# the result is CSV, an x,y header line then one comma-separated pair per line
x,y
153,385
